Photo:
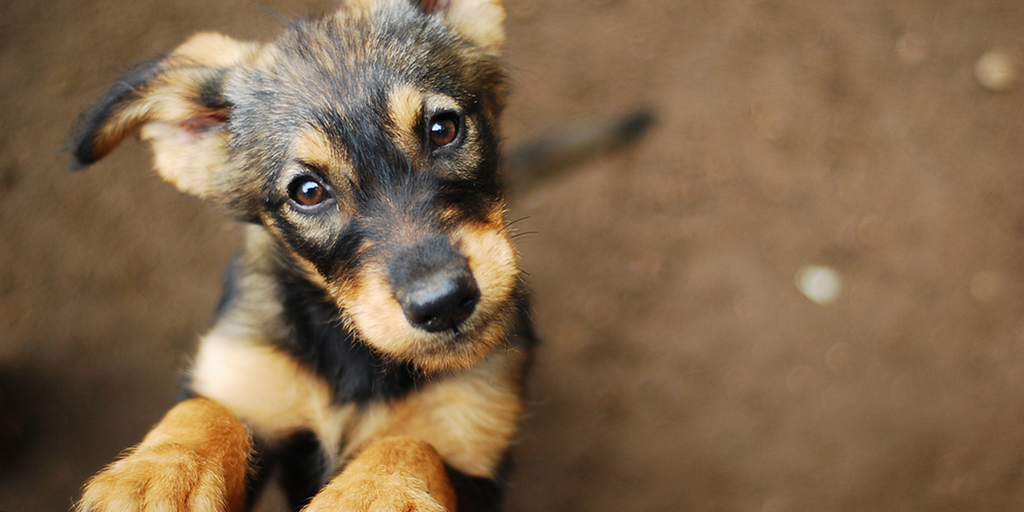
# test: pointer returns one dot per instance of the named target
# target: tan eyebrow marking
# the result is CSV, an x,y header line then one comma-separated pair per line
x,y
312,147
439,102
405,107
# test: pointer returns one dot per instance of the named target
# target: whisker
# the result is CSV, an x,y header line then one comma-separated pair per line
x,y
520,234
510,224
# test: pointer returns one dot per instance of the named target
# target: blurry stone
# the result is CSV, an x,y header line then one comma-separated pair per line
x,y
819,283
996,70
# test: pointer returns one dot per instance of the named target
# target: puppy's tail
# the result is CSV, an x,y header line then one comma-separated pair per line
x,y
532,161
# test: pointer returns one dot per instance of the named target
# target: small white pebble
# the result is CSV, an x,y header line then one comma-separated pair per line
x,y
996,70
819,283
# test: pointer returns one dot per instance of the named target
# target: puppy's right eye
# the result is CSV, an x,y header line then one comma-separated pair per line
x,y
307,191
443,129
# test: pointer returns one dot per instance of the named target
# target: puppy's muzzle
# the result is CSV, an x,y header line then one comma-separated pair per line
x,y
434,285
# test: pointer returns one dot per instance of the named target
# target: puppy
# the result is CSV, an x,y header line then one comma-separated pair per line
x,y
371,342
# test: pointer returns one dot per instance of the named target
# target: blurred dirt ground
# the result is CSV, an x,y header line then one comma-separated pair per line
x,y
683,369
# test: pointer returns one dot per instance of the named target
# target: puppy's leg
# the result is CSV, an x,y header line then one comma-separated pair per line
x,y
394,473
195,459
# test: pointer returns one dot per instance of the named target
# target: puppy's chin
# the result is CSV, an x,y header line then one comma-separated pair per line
x,y
455,350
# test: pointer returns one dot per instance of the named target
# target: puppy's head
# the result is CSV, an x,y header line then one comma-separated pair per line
x,y
364,142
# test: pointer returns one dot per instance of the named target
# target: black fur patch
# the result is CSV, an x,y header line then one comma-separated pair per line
x,y
478,494
304,469
300,462
260,468
318,338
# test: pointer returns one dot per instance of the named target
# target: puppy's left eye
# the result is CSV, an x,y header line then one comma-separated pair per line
x,y
443,129
307,191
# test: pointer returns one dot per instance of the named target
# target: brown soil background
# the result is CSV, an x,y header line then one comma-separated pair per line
x,y
682,368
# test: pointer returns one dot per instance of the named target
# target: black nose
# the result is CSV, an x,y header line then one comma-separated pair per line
x,y
434,285
441,301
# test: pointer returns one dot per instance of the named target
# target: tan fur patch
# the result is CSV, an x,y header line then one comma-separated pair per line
x,y
185,159
378,315
266,57
356,9
312,147
405,108
214,50
493,261
267,389
437,102
481,21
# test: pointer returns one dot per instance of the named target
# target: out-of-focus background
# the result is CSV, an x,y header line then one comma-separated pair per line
x,y
801,291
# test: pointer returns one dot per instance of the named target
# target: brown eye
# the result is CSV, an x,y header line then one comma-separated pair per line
x,y
307,191
443,129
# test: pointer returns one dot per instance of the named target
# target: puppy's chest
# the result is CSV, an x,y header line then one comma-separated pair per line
x,y
468,416
272,391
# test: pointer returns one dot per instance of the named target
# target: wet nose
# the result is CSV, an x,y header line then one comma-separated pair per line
x,y
434,285
440,301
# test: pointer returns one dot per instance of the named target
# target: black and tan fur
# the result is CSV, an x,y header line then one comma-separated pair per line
x,y
373,334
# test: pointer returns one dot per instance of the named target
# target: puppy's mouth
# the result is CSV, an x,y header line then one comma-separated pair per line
x,y
441,302
443,319
450,340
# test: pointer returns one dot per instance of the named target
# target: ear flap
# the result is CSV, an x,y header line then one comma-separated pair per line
x,y
177,104
481,21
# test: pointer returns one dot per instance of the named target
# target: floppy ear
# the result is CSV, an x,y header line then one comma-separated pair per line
x,y
480,21
177,104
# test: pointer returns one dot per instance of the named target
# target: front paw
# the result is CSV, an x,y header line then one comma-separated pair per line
x,y
395,474
386,493
164,478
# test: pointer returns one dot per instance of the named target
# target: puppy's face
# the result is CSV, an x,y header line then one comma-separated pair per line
x,y
364,141
367,146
